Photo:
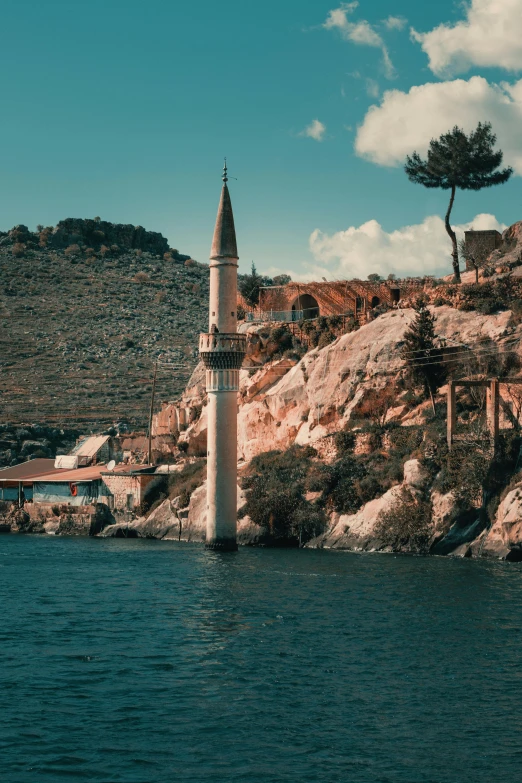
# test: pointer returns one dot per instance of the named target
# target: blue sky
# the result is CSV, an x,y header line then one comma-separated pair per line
x,y
126,109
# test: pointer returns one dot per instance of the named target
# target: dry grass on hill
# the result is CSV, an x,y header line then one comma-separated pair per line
x,y
80,329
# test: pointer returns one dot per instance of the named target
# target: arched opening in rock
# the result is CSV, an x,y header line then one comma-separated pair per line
x,y
375,301
395,294
308,304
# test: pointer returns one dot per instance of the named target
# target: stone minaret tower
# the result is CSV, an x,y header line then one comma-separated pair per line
x,y
222,351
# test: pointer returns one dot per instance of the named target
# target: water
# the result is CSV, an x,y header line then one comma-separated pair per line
x,y
128,660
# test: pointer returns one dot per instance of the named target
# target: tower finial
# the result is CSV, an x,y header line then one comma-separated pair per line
x,y
225,177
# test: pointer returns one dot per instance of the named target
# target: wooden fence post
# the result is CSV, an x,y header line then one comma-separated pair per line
x,y
452,413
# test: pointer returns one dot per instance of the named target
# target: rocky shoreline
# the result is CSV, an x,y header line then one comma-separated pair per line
x,y
451,534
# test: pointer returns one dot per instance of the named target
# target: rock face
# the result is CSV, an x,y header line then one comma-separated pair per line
x,y
170,523
100,232
163,522
59,521
504,540
357,531
306,402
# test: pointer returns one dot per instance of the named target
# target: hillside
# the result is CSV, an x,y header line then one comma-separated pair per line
x,y
85,308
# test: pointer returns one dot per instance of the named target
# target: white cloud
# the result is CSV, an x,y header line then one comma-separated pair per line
x,y
372,88
490,35
315,130
404,122
395,22
421,249
360,32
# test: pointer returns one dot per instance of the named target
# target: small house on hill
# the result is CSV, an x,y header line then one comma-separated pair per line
x,y
480,244
96,449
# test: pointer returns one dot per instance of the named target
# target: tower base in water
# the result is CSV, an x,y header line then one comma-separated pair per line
x,y
222,545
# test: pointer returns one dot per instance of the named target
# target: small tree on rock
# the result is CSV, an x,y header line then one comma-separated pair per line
x,y
422,355
249,286
457,160
475,253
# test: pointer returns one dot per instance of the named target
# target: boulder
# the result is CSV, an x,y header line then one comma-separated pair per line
x,y
90,521
163,522
458,539
97,232
415,474
357,531
504,539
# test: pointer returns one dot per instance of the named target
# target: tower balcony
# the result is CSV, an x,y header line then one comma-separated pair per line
x,y
222,351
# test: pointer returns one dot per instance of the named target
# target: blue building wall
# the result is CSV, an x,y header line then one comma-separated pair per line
x,y
11,493
60,492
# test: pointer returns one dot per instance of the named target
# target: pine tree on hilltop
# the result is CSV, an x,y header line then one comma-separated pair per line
x,y
423,357
456,160
249,286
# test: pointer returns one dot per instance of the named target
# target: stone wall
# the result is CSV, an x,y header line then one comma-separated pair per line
x,y
337,297
122,485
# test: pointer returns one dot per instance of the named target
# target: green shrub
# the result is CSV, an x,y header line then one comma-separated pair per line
x,y
275,487
404,440
406,526
344,442
281,337
340,485
325,338
334,321
154,494
463,471
184,483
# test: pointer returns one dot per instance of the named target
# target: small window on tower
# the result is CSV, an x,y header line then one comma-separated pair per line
x,y
232,313
213,313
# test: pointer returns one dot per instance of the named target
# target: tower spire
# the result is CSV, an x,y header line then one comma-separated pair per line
x,y
224,244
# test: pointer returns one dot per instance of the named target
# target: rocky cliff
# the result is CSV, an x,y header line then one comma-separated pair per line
x,y
306,402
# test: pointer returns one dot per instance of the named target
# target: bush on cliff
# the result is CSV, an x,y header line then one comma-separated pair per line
x,y
406,526
489,297
282,340
184,483
172,485
275,487
340,485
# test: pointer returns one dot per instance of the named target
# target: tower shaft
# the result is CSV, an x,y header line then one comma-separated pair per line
x,y
222,350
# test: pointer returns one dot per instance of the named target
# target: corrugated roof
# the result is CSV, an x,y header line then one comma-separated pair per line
x,y
91,473
91,446
28,470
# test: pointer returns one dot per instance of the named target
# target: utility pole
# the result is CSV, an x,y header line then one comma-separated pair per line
x,y
149,455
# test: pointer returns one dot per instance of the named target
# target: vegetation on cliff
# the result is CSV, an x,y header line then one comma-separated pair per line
x,y
276,485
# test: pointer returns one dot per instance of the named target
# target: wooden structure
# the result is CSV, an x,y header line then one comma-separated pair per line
x,y
492,386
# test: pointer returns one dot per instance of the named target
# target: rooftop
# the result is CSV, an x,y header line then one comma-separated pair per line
x,y
90,446
28,470
92,473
